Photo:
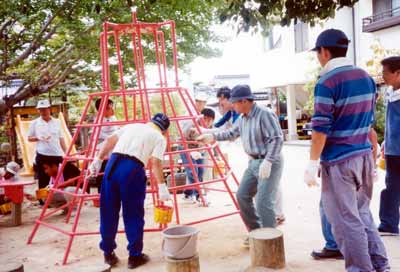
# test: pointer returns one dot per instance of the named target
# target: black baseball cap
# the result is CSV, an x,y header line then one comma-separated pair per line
x,y
161,120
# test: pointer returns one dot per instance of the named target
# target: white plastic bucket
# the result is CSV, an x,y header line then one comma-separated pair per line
x,y
180,242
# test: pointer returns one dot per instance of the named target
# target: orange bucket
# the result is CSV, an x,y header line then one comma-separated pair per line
x,y
163,214
96,202
381,164
5,208
221,165
42,193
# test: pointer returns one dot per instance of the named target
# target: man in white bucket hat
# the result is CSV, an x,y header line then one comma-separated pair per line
x,y
47,133
10,171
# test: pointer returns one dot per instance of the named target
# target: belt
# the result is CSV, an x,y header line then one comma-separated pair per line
x,y
257,157
120,156
132,158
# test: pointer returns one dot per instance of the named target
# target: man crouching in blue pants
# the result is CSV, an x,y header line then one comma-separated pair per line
x,y
124,183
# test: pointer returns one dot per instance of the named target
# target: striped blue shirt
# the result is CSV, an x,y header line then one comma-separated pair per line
x,y
344,110
260,133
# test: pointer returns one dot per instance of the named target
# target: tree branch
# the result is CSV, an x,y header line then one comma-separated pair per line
x,y
57,54
63,75
59,61
4,26
35,44
31,48
68,82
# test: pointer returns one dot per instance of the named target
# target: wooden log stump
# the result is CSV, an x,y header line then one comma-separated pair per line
x,y
185,265
267,248
12,267
16,214
91,268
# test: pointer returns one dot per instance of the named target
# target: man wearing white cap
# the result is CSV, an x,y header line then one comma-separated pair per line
x,y
46,132
200,101
8,173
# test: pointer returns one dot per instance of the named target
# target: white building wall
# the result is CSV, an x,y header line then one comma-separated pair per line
x,y
296,67
364,41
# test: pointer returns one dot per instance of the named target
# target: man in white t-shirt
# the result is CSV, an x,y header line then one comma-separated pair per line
x,y
47,133
109,116
124,182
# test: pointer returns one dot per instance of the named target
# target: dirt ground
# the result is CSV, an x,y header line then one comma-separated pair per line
x,y
220,241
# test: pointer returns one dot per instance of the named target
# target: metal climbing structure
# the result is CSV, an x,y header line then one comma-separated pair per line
x,y
138,60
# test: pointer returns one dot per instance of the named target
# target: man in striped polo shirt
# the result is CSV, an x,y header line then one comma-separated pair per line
x,y
343,111
262,140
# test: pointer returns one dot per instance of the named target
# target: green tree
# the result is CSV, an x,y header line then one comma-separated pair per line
x,y
54,44
260,15
310,86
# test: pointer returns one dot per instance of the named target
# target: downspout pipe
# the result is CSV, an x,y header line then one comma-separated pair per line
x,y
353,17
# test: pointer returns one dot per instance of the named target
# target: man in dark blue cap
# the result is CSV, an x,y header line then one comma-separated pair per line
x,y
124,182
262,140
344,102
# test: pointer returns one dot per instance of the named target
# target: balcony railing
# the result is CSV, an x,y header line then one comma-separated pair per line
x,y
382,20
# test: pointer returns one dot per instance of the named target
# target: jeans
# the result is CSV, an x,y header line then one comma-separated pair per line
x,y
346,194
330,242
264,191
390,196
199,171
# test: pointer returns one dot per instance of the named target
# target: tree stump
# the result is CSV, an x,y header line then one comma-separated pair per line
x,y
91,268
16,214
267,248
185,265
12,267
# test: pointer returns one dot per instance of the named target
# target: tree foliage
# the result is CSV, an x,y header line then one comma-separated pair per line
x,y
260,15
54,44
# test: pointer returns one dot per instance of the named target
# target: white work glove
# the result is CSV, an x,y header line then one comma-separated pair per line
x,y
206,138
163,192
310,175
196,155
94,167
265,169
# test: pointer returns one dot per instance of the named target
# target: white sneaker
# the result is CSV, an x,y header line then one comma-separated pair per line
x,y
189,199
206,202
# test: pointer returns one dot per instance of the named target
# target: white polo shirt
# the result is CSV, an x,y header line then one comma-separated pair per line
x,y
52,128
141,141
107,131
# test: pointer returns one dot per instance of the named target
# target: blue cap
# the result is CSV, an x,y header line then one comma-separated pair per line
x,y
331,38
161,120
241,92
